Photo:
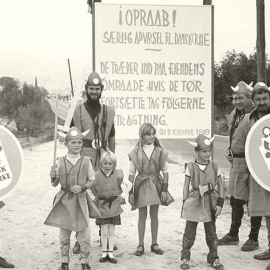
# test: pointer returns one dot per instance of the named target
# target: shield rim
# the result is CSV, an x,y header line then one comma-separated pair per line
x,y
250,133
3,197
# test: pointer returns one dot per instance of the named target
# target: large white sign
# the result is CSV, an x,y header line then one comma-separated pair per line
x,y
157,64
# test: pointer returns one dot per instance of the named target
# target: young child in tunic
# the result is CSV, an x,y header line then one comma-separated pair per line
x,y
108,198
70,209
202,203
148,158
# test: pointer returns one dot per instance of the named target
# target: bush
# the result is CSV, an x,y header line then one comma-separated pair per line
x,y
221,127
34,117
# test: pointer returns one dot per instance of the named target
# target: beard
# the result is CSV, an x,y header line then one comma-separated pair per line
x,y
93,97
263,108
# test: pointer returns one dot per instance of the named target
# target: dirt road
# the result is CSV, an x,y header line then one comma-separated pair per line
x,y
29,244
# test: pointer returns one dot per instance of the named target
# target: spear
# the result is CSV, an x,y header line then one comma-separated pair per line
x,y
53,168
70,77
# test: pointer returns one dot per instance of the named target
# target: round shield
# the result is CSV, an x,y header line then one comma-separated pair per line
x,y
96,144
11,162
257,151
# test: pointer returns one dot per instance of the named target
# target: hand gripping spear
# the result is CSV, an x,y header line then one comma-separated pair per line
x,y
53,168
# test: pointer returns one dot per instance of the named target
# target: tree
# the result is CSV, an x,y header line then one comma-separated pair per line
x,y
33,118
10,98
233,68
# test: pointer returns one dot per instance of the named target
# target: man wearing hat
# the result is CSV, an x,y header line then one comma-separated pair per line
x,y
96,117
239,174
99,119
259,198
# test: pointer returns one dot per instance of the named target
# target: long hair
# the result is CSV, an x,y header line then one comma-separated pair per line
x,y
145,129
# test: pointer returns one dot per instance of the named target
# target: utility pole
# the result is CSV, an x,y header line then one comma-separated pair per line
x,y
207,2
260,44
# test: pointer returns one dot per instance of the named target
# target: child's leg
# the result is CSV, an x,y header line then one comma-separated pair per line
x,y
141,224
83,238
111,236
64,239
104,238
111,243
154,222
188,239
211,240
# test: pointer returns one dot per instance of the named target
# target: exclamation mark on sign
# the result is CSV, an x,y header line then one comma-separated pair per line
x,y
120,16
174,17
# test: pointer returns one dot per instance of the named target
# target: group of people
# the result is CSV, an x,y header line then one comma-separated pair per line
x,y
251,104
93,187
91,183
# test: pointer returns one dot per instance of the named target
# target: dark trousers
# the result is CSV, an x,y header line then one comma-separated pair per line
x,y
237,215
210,236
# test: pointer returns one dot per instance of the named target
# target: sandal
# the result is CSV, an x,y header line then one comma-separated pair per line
x,y
111,259
157,250
139,252
103,258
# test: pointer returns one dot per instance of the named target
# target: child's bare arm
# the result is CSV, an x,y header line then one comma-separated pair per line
x,y
186,187
164,194
131,195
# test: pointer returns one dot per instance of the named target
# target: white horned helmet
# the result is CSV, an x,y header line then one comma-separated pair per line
x,y
202,142
260,85
72,134
242,88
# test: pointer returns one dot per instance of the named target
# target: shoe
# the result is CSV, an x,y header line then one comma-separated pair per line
x,y
184,264
250,245
157,250
64,266
5,264
86,266
111,259
139,252
217,265
228,240
263,256
102,258
76,249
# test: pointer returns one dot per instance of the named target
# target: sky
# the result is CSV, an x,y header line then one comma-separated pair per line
x,y
37,37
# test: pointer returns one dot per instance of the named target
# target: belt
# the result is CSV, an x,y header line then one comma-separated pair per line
x,y
69,193
95,144
242,155
109,201
212,188
65,189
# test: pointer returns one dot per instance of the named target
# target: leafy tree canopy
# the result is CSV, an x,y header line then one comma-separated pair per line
x,y
233,68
